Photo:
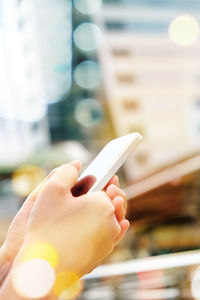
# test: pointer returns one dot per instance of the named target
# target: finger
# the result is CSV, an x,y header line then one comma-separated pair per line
x,y
33,195
67,175
23,214
28,204
124,224
118,203
77,164
114,191
59,185
114,180
100,198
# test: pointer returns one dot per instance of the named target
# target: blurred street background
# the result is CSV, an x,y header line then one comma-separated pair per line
x,y
75,74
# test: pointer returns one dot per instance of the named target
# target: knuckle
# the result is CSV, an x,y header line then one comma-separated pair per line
x,y
105,201
99,196
56,186
71,169
68,168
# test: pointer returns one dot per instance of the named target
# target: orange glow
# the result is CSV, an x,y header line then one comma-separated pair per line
x,y
43,251
67,285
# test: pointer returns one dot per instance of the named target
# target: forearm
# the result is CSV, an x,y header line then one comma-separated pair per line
x,y
5,266
8,292
14,287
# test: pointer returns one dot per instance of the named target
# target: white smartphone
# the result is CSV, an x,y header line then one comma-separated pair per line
x,y
110,159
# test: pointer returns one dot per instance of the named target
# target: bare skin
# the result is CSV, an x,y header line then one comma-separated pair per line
x,y
52,208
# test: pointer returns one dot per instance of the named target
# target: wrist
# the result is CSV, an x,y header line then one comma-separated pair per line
x,y
41,248
67,258
63,270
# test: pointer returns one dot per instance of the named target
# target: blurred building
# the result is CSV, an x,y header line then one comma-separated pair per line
x,y
35,50
151,82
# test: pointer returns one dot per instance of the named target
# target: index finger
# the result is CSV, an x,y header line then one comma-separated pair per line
x,y
114,180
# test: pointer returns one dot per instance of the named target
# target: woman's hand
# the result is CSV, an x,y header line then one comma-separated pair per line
x,y
88,226
82,230
18,229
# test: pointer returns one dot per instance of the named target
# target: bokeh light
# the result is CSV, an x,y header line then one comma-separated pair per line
x,y
184,30
87,6
87,74
195,284
33,279
88,112
157,274
41,250
87,36
26,178
67,285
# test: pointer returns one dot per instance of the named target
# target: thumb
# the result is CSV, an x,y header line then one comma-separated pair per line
x,y
77,164
67,175
27,206
62,180
58,188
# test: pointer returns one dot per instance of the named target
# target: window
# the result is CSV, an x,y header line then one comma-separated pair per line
x,y
126,78
130,104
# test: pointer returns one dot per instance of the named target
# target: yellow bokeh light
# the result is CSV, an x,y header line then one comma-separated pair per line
x,y
67,285
43,251
26,178
33,279
184,30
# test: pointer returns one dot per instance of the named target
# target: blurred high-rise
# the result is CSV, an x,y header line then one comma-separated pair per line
x,y
35,45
